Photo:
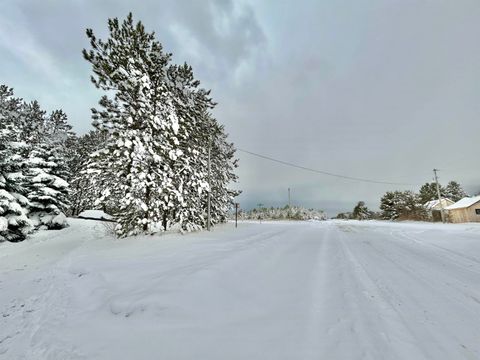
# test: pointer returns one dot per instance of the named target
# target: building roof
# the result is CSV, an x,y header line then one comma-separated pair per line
x,y
433,203
464,203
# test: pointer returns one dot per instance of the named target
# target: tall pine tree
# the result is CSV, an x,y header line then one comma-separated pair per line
x,y
14,224
141,123
152,169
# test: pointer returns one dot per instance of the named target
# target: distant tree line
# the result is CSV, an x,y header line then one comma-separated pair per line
x,y
147,160
406,205
282,213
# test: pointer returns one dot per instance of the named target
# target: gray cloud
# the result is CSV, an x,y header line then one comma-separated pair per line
x,y
387,90
218,37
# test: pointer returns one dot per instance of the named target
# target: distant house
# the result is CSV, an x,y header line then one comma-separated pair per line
x,y
465,210
434,208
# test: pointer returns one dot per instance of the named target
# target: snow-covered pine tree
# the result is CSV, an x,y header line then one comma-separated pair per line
x,y
223,165
198,132
361,212
191,103
140,122
428,192
32,124
156,133
14,224
45,170
33,158
47,191
58,129
454,191
412,207
83,193
59,135
402,205
389,205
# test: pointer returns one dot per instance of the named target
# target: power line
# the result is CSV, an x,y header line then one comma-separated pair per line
x,y
324,172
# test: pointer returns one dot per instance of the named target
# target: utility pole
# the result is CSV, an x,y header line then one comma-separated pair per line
x,y
236,213
439,196
289,204
209,184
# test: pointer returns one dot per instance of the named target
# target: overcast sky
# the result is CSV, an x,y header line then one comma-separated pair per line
x,y
379,89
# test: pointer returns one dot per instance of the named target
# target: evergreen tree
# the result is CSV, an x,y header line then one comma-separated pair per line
x,y
222,166
428,192
454,191
157,135
361,212
46,168
47,192
84,193
32,166
199,131
411,206
388,205
58,130
141,123
60,137
14,224
157,130
31,124
402,205
191,104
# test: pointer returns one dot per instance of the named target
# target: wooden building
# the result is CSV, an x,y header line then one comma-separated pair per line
x,y
434,208
465,210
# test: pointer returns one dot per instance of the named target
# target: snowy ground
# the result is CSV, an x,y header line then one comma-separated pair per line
x,y
329,290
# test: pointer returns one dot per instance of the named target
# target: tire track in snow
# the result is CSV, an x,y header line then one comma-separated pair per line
x,y
460,278
463,261
378,325
420,298
271,291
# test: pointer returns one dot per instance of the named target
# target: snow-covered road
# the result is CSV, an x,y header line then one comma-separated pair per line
x,y
319,290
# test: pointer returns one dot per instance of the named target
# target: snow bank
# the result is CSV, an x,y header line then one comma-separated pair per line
x,y
95,214
3,223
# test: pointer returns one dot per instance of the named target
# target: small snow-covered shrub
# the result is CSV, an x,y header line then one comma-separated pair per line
x,y
49,221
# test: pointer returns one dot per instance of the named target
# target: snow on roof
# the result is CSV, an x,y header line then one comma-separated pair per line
x,y
464,203
431,204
